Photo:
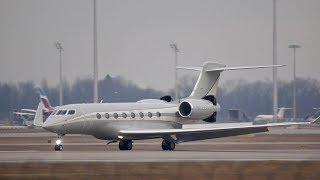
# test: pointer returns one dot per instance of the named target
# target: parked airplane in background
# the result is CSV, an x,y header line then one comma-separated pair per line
x,y
29,114
269,118
153,118
47,108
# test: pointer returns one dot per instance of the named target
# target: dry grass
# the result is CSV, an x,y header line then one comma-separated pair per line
x,y
225,170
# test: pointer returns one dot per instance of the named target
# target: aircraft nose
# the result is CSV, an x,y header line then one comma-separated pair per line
x,y
48,126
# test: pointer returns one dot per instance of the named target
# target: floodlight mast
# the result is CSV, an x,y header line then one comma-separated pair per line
x,y
274,70
294,100
174,46
95,54
60,49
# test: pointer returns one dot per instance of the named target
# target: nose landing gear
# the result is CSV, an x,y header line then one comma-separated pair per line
x,y
58,146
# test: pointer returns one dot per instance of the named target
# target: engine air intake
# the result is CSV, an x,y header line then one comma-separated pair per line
x,y
185,109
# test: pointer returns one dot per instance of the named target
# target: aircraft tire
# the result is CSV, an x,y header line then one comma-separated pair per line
x,y
125,145
58,147
168,145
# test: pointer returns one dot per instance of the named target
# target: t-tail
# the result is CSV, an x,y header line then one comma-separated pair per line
x,y
281,112
206,88
45,101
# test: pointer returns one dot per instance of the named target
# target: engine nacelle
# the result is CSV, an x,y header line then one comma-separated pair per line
x,y
197,108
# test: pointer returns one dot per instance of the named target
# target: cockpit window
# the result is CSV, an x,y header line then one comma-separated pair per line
x,y
59,112
64,112
54,112
71,112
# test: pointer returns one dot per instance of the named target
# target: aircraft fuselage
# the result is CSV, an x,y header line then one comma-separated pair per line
x,y
104,120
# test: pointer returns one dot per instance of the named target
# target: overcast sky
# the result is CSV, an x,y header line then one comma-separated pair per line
x,y
134,38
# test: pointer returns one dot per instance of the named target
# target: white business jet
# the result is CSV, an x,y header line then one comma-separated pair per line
x,y
262,118
153,118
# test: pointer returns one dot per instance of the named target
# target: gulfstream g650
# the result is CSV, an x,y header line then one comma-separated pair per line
x,y
153,118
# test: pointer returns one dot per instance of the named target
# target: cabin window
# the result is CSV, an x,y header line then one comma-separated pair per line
x,y
149,114
115,115
141,114
124,115
98,116
133,115
107,115
158,114
71,112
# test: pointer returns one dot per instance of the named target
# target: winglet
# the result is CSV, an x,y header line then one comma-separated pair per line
x,y
316,121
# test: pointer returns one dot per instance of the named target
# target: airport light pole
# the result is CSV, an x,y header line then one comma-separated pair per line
x,y
95,53
274,70
60,49
294,100
174,46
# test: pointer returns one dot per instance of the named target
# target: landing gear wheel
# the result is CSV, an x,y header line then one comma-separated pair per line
x,y
168,145
58,147
125,145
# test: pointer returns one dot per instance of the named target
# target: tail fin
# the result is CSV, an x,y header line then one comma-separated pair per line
x,y
281,112
38,118
44,99
207,83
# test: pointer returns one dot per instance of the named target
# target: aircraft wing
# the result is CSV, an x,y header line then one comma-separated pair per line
x,y
191,134
24,113
29,110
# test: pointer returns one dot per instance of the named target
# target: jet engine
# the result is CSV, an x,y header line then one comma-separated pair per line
x,y
199,109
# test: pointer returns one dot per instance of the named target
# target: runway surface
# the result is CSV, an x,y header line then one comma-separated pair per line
x,y
293,153
157,156
278,144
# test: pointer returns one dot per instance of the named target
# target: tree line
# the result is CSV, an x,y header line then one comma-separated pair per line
x,y
253,98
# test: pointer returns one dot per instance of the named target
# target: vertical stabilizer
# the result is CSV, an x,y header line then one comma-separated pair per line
x,y
281,112
38,118
45,101
207,83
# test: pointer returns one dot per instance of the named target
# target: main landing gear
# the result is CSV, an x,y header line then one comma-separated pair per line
x,y
168,145
58,146
125,145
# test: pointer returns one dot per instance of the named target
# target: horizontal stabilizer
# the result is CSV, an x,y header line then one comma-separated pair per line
x,y
190,68
242,67
29,110
23,113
